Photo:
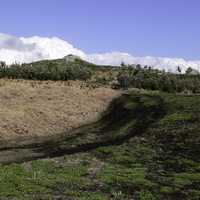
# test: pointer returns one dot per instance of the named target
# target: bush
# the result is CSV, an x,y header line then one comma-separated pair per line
x,y
151,79
46,70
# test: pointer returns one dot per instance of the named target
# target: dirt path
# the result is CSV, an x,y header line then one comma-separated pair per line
x,y
88,137
24,151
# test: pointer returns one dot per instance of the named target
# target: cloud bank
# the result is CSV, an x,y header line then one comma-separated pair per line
x,y
29,49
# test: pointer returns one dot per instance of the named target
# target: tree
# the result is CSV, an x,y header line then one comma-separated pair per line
x,y
123,80
138,66
179,69
2,64
123,64
188,70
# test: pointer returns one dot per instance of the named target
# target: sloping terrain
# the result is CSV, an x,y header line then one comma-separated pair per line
x,y
145,146
43,108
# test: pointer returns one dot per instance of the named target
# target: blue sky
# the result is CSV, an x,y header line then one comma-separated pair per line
x,y
166,28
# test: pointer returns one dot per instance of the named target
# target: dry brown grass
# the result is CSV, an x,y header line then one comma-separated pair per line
x,y
35,108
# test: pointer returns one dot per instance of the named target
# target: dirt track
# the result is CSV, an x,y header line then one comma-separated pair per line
x,y
87,137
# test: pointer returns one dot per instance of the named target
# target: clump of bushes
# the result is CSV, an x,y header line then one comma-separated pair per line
x,y
126,76
46,70
153,79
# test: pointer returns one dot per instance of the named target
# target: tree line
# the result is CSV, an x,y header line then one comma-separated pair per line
x,y
127,75
153,79
46,70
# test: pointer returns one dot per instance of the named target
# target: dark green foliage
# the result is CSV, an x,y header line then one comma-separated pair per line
x,y
48,70
150,79
133,76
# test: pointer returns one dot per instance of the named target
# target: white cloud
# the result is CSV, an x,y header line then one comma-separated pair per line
x,y
14,49
168,64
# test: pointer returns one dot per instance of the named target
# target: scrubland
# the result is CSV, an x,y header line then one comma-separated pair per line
x,y
42,108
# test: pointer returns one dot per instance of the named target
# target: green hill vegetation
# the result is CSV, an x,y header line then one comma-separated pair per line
x,y
48,70
145,147
126,76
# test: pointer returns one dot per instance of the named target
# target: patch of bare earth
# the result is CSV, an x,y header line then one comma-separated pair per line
x,y
36,108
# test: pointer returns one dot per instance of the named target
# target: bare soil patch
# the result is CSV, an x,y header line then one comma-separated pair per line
x,y
42,108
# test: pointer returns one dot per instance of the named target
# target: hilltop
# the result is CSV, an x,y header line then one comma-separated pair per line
x,y
126,76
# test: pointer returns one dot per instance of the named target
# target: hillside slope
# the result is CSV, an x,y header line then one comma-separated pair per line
x,y
36,108
146,146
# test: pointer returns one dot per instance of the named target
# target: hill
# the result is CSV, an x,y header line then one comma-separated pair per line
x,y
127,76
145,146
42,108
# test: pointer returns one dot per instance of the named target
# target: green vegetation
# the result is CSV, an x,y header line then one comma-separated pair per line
x,y
48,70
133,76
145,147
151,79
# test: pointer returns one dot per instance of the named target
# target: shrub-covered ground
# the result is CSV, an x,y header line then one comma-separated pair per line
x,y
145,147
126,76
58,69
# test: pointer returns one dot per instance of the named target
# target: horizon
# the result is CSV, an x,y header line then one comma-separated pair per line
x,y
162,34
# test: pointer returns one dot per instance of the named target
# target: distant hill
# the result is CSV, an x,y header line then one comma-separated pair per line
x,y
72,67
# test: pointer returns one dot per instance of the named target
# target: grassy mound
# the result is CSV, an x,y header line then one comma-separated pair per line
x,y
145,147
58,69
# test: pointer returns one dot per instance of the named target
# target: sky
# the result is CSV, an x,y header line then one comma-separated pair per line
x,y
140,28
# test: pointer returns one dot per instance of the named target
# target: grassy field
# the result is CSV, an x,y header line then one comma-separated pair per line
x,y
43,108
145,147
